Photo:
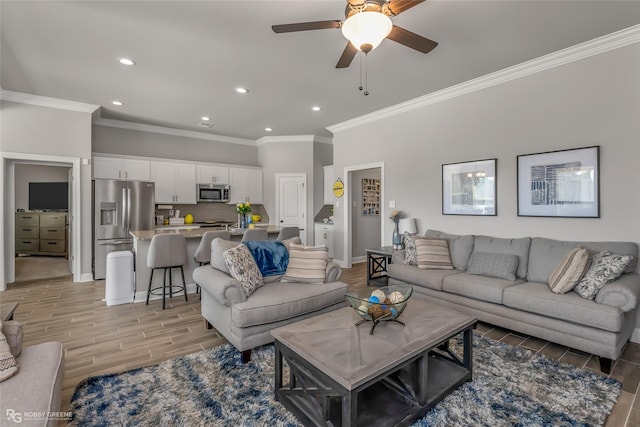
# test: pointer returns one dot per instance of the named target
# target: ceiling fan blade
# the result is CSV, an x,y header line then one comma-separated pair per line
x,y
347,56
398,6
305,26
412,40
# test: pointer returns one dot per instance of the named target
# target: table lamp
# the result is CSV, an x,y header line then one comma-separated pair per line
x,y
407,225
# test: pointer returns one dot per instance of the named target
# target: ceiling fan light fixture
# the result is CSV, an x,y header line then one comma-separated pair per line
x,y
365,30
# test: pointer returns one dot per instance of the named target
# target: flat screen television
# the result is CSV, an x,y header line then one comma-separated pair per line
x,y
49,196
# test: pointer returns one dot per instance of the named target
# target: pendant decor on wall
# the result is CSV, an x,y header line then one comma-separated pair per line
x,y
370,196
338,188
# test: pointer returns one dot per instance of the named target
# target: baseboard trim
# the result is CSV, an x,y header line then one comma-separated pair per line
x,y
635,336
358,259
86,277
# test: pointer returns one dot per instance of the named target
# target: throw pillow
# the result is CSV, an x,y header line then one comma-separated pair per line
x,y
605,267
306,264
243,268
12,330
410,254
569,271
288,242
8,364
432,254
501,266
218,248
271,256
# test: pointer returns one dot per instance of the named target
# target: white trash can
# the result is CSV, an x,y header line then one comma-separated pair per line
x,y
119,286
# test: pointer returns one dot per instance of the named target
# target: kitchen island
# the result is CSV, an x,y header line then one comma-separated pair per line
x,y
142,241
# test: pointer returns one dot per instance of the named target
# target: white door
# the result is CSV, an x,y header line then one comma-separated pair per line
x,y
292,202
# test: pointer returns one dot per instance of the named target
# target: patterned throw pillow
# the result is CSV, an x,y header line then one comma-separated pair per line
x,y
605,267
502,266
569,271
8,364
433,254
243,268
410,254
306,264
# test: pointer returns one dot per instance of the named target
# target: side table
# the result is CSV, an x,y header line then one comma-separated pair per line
x,y
377,261
7,309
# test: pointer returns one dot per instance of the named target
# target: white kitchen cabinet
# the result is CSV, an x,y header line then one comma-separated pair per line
x,y
328,185
174,182
117,168
245,185
324,236
210,174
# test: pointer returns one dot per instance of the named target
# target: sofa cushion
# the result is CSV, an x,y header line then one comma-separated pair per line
x,y
307,264
537,298
568,272
271,256
218,247
428,278
433,254
545,254
460,247
482,288
280,301
501,266
497,245
243,268
605,267
409,244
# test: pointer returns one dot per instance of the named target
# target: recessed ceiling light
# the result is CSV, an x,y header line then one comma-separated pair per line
x,y
118,103
205,118
126,61
242,90
268,129
315,108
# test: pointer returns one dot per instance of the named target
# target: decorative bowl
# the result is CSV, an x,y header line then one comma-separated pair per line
x,y
379,304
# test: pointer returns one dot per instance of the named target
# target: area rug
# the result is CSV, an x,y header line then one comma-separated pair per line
x,y
511,386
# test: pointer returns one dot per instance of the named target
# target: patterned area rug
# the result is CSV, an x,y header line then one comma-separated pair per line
x,y
511,386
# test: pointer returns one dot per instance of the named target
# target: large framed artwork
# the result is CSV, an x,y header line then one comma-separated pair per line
x,y
560,183
469,188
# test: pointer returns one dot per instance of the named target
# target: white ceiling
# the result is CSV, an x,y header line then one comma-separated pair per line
x,y
191,55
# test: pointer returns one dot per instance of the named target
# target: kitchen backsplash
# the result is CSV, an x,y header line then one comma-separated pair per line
x,y
214,212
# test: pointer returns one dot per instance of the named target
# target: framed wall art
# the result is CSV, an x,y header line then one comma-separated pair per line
x,y
560,183
370,196
469,188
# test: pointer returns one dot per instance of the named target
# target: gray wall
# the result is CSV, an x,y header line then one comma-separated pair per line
x,y
322,156
32,129
113,140
365,229
594,101
26,173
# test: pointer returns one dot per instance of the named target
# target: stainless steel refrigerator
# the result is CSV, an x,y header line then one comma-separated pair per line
x,y
119,207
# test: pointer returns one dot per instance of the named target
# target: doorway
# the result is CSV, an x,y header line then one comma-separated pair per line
x,y
291,202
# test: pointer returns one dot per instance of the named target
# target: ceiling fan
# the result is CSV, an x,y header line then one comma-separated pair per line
x,y
367,23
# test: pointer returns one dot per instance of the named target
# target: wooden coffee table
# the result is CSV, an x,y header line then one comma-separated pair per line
x,y
341,375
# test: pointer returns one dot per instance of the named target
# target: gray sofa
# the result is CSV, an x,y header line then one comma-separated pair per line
x,y
247,322
35,390
527,305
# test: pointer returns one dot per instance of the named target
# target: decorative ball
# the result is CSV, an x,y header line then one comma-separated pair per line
x,y
394,312
379,294
396,297
375,311
363,307
373,300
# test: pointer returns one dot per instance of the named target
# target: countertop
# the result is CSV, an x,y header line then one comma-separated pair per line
x,y
195,231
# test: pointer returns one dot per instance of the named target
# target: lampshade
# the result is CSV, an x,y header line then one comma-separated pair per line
x,y
407,225
365,30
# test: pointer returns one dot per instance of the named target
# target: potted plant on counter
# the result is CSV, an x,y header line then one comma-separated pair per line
x,y
243,209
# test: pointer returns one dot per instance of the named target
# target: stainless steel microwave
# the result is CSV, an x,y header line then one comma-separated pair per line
x,y
213,193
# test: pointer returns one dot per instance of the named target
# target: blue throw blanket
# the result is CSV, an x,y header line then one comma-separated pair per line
x,y
271,256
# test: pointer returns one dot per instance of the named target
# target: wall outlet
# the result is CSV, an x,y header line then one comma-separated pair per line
x,y
392,204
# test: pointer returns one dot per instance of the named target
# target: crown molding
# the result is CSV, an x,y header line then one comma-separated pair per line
x,y
45,101
286,138
578,52
323,139
121,124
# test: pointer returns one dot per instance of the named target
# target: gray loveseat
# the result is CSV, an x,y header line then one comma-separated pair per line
x,y
526,304
246,322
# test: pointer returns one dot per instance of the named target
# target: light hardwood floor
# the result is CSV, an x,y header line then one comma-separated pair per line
x,y
100,339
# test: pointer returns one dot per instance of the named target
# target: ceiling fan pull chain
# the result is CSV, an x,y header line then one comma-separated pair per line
x,y
366,76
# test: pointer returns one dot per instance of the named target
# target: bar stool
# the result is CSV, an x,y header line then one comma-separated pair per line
x,y
167,251
203,251
287,233
255,234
